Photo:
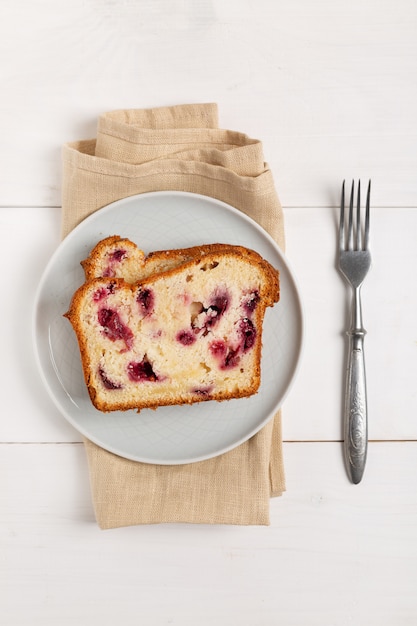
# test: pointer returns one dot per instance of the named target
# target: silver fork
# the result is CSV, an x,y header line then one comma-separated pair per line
x,y
354,263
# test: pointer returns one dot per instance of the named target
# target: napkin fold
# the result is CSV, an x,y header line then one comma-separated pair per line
x,y
177,148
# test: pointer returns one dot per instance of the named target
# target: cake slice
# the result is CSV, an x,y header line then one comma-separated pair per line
x,y
121,258
189,334
115,257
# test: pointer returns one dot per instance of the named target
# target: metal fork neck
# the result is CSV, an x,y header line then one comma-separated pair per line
x,y
357,330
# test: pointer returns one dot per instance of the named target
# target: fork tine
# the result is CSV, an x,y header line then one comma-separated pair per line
x,y
350,220
342,219
368,198
358,219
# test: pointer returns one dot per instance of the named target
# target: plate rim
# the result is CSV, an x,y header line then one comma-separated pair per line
x,y
95,216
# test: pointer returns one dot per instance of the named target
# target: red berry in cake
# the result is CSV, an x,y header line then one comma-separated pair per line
x,y
107,382
218,348
114,258
232,359
145,299
141,371
205,318
251,302
220,303
227,356
114,328
103,292
216,309
100,294
118,255
248,333
186,337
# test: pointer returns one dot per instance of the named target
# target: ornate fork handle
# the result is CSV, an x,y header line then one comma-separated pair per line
x,y
355,410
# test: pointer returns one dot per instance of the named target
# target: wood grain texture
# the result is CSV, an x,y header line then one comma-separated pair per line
x,y
330,89
334,554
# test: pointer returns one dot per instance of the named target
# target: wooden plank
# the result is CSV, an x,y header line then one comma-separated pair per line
x,y
334,553
328,87
389,305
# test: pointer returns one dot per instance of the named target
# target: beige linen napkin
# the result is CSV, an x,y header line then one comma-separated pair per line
x,y
177,148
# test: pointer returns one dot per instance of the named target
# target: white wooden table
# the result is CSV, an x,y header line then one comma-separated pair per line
x,y
330,87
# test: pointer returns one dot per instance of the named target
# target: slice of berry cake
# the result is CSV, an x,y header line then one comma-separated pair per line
x,y
186,335
115,257
121,258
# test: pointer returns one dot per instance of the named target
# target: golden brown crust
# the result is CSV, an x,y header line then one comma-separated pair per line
x,y
189,260
165,260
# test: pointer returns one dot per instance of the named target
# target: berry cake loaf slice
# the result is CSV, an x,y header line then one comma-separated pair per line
x,y
121,258
190,334
115,257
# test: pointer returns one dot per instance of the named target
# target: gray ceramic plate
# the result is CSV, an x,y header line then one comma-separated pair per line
x,y
169,435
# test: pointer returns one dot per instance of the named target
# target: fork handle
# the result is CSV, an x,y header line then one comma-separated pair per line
x,y
355,411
